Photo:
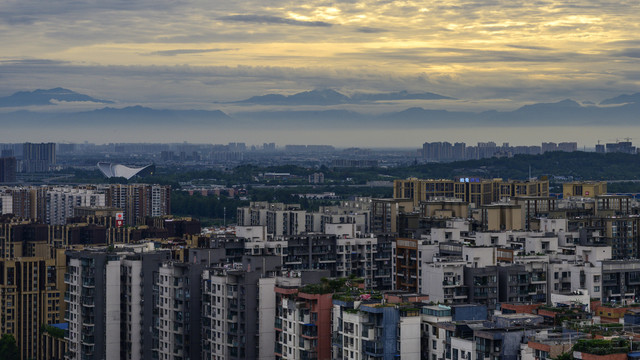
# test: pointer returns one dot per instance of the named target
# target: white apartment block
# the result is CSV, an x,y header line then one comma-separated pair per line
x,y
61,201
443,281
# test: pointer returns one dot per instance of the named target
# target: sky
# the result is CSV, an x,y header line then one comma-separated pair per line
x,y
191,53
202,54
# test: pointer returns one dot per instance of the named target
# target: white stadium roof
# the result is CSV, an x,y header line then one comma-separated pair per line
x,y
116,170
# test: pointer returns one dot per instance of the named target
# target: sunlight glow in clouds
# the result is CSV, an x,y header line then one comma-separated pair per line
x,y
471,49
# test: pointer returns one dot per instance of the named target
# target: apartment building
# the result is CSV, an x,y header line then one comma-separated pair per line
x,y
588,189
482,284
239,308
311,251
107,319
38,157
177,315
30,296
303,323
443,281
375,331
385,213
61,202
472,190
525,282
138,201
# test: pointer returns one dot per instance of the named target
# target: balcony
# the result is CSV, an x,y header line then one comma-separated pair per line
x,y
87,301
308,355
373,348
88,340
538,279
309,331
88,282
336,340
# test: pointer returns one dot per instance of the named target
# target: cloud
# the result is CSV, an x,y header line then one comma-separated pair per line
x,y
632,53
529,47
469,49
175,52
265,19
370,30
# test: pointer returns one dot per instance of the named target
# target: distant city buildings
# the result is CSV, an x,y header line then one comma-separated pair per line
x,y
8,169
38,157
445,151
54,204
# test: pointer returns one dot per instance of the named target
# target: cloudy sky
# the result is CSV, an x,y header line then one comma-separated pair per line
x,y
192,53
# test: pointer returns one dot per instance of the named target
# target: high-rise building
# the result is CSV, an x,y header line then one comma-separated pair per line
x,y
61,202
38,157
139,200
177,318
8,166
473,190
109,303
373,331
30,296
303,323
238,304
621,147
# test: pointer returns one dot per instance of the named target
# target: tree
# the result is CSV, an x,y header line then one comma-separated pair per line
x,y
8,348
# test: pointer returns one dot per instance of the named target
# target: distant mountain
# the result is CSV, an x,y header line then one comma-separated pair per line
x,y
139,119
622,99
561,105
313,97
332,97
132,119
45,97
401,95
146,111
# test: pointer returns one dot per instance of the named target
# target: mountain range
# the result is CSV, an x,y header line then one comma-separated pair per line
x,y
46,97
332,97
623,110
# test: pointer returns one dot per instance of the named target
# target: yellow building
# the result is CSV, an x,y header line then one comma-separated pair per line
x,y
584,188
500,217
29,298
476,191
31,283
445,208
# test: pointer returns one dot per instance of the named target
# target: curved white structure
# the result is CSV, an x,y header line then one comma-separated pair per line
x,y
116,170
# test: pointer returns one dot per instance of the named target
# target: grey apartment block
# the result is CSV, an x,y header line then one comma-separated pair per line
x,y
238,309
177,296
483,285
107,315
311,252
